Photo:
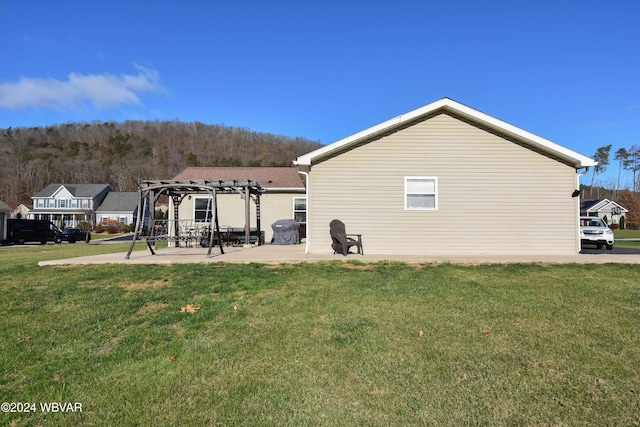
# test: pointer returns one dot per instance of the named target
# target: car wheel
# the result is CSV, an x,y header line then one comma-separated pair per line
x,y
20,241
57,240
609,247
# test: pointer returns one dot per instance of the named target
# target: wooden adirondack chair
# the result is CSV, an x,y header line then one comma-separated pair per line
x,y
340,240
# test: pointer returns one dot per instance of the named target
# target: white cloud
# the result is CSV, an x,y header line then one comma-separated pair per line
x,y
79,90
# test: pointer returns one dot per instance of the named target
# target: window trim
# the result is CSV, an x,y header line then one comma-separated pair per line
x,y
298,210
208,216
435,193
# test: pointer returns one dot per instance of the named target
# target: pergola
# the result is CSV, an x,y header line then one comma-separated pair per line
x,y
149,192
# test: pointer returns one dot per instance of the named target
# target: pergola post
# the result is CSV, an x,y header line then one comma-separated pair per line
x,y
138,224
152,214
257,202
176,200
215,227
247,217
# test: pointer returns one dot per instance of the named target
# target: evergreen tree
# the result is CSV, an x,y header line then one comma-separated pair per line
x,y
602,157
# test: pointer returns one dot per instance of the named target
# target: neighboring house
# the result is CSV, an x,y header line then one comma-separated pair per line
x,y
69,204
446,179
4,215
606,209
120,206
21,211
284,198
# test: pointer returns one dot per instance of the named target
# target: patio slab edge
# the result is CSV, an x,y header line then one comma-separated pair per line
x,y
270,254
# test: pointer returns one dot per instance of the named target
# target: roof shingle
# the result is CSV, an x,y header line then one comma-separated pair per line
x,y
268,177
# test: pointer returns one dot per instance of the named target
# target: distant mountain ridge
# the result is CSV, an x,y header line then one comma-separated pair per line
x,y
122,154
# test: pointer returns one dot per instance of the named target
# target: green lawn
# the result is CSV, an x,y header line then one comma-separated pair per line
x,y
318,344
627,234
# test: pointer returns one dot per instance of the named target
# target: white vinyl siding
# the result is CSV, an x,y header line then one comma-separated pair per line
x,y
494,195
231,210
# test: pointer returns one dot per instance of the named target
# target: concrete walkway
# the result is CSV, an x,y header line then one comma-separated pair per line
x,y
292,254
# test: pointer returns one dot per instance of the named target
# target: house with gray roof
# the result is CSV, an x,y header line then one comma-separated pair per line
x,y
69,204
611,212
120,206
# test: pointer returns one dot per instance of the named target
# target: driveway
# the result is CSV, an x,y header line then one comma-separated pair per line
x,y
615,251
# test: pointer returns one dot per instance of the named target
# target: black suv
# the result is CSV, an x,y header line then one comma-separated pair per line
x,y
73,235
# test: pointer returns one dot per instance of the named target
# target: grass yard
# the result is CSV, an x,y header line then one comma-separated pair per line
x,y
318,344
627,234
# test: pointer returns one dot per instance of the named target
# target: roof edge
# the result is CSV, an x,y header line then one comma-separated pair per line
x,y
574,158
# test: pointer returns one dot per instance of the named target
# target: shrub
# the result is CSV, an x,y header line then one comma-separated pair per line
x,y
127,228
100,229
110,226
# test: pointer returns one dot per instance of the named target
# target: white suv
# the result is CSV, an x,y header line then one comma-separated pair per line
x,y
594,231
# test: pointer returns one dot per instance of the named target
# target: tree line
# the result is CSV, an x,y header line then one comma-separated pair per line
x,y
123,154
626,160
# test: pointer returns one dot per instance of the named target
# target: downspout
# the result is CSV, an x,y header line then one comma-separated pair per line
x,y
307,194
577,221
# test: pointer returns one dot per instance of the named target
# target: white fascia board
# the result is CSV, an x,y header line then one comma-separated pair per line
x,y
598,206
545,145
576,159
306,159
612,203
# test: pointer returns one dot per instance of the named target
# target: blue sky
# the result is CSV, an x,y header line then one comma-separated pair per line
x,y
566,70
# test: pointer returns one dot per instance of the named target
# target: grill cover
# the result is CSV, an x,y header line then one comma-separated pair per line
x,y
286,232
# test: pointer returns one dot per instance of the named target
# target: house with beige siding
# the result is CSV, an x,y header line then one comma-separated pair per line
x,y
446,179
284,197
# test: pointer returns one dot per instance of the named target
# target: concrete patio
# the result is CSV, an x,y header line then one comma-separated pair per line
x,y
292,254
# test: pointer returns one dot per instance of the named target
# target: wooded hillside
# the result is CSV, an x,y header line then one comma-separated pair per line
x,y
122,154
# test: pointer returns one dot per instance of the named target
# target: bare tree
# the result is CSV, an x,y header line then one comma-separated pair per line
x,y
631,202
122,154
622,156
633,164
